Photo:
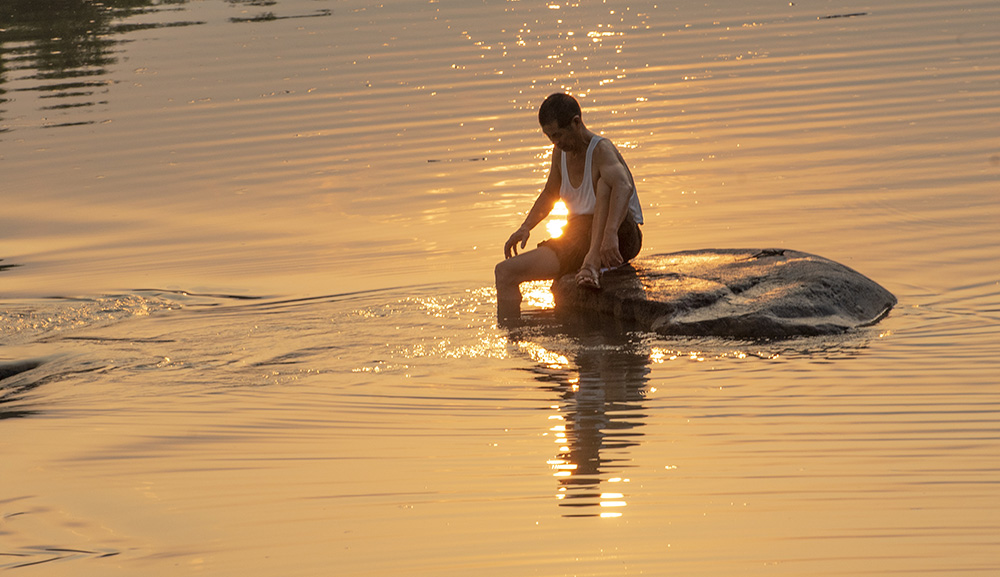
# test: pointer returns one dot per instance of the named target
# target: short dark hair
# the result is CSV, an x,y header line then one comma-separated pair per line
x,y
559,107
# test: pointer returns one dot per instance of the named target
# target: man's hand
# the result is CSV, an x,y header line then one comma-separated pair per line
x,y
520,236
611,256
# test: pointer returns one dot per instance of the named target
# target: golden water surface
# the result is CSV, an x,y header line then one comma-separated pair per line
x,y
248,327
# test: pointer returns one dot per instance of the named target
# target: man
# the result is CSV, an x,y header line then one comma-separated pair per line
x,y
604,211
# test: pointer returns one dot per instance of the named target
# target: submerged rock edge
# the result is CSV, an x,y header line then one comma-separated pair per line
x,y
738,293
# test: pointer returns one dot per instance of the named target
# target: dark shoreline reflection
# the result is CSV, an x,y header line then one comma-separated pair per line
x,y
600,379
13,390
62,50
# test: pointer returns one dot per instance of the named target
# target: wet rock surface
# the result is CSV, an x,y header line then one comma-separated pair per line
x,y
740,293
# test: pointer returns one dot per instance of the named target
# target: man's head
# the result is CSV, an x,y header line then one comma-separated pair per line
x,y
559,116
560,108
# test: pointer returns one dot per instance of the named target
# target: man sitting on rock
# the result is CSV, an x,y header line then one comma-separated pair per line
x,y
604,211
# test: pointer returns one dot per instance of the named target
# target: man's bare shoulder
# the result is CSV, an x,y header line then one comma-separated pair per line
x,y
607,156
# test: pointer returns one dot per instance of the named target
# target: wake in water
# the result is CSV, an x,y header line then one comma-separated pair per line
x,y
413,398
201,340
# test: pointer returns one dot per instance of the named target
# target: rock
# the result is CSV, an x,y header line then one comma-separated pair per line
x,y
741,293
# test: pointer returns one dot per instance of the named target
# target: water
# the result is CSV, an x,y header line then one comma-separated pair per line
x,y
248,323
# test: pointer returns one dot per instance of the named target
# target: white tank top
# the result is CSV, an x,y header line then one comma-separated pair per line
x,y
582,199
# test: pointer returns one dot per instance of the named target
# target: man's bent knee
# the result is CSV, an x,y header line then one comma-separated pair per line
x,y
507,283
538,264
503,273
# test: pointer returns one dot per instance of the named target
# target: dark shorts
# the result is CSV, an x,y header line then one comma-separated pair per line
x,y
571,248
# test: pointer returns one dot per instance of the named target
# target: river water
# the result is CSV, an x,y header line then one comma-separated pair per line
x,y
247,316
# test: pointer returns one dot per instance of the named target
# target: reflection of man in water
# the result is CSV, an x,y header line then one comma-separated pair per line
x,y
599,412
602,412
604,212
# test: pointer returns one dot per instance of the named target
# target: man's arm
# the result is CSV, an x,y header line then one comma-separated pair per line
x,y
543,206
614,191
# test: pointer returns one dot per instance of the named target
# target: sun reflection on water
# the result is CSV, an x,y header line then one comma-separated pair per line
x,y
538,294
542,355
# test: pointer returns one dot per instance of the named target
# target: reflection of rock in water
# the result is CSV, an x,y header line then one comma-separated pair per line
x,y
601,413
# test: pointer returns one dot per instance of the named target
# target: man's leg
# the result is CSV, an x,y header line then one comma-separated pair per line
x,y
611,205
538,264
629,239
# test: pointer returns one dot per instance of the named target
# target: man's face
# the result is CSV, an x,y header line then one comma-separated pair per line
x,y
563,137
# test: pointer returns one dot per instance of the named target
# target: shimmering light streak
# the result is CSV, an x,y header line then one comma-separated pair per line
x,y
555,225
538,294
542,355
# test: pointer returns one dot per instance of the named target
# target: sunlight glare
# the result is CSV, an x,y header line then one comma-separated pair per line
x,y
555,225
540,354
538,294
